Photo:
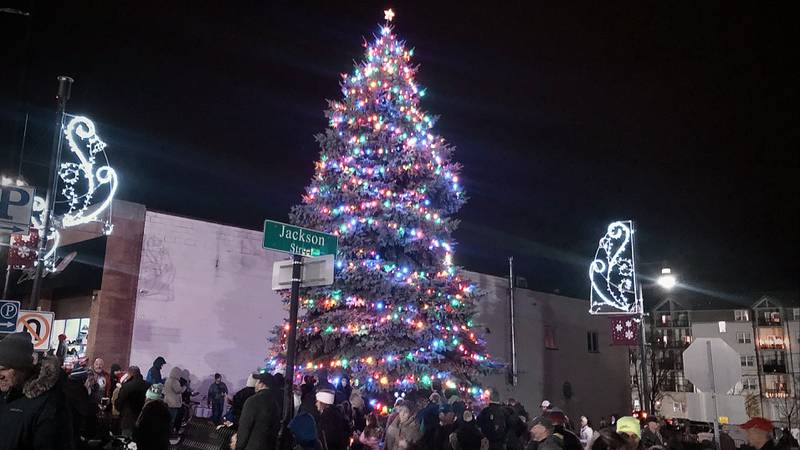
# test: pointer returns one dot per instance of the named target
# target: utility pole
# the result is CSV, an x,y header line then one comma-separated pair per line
x,y
62,96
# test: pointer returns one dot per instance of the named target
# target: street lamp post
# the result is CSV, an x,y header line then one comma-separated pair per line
x,y
64,88
667,281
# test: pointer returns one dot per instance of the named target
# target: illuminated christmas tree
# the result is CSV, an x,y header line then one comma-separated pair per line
x,y
399,315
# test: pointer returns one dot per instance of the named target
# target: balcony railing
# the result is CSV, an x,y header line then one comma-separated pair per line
x,y
670,363
771,322
774,367
672,386
776,393
771,346
673,343
674,323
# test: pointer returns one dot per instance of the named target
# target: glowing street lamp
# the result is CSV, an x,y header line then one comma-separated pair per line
x,y
667,280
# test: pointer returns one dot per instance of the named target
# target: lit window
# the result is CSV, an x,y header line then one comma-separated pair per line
x,y
722,327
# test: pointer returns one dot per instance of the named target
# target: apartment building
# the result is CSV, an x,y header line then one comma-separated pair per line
x,y
766,335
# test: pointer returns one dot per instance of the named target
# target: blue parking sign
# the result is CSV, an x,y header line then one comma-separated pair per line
x,y
9,313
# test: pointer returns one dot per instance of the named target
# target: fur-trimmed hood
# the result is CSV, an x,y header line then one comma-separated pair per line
x,y
45,376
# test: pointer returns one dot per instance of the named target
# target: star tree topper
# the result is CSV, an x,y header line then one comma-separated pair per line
x,y
388,14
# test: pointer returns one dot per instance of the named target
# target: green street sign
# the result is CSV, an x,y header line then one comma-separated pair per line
x,y
298,240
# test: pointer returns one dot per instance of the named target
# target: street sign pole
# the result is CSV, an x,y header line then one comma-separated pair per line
x,y
291,351
713,394
64,88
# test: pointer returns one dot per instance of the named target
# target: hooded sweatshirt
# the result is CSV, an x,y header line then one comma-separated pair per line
x,y
154,374
173,388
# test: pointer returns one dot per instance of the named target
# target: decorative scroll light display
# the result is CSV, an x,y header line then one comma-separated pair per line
x,y
83,179
613,273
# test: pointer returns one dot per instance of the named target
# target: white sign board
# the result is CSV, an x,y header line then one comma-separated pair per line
x,y
707,356
16,204
700,407
316,272
39,324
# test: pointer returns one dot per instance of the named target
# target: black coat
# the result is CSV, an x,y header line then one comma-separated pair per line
x,y
238,403
334,429
260,422
36,415
130,401
153,426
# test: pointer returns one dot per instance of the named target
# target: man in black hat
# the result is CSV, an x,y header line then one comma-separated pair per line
x,y
33,412
261,417
651,434
541,429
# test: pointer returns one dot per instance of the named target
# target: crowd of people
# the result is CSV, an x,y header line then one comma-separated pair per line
x,y
44,407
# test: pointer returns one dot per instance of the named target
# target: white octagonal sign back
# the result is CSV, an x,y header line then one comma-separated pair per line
x,y
698,361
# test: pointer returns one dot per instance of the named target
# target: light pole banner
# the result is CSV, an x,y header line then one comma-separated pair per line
x,y
613,273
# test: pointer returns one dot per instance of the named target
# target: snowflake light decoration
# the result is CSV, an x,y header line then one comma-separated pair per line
x,y
612,273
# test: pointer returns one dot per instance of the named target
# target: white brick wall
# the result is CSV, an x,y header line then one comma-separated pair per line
x,y
204,300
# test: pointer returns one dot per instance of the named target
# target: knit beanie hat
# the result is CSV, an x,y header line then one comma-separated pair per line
x,y
325,396
156,392
16,351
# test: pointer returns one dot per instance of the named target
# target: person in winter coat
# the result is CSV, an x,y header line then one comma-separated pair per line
x,y
216,398
651,435
343,390
372,434
569,440
153,426
428,417
130,400
240,397
304,430
154,374
447,426
586,433
493,422
404,432
98,382
334,428
468,436
260,421
33,409
173,395
542,437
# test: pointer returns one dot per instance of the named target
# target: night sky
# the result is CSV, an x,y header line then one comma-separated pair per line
x,y
565,118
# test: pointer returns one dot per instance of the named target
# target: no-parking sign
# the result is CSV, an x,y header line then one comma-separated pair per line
x,y
39,324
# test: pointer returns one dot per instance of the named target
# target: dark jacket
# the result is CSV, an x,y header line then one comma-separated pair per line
x,y
259,424
441,438
334,429
569,440
428,418
493,422
36,416
650,439
469,436
217,391
130,401
552,442
153,426
154,374
238,403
